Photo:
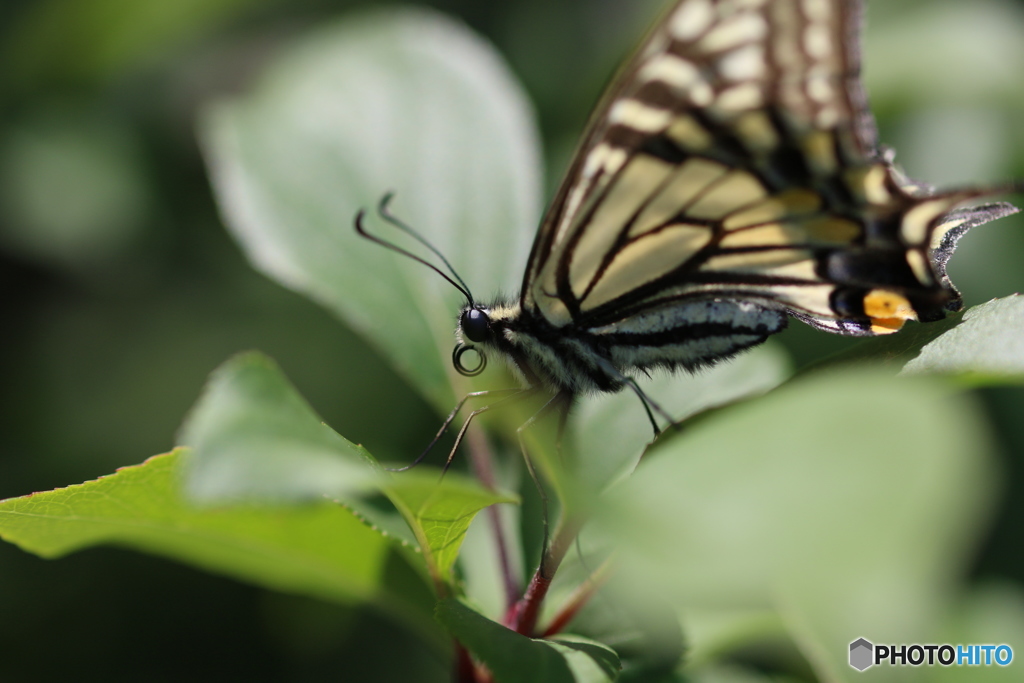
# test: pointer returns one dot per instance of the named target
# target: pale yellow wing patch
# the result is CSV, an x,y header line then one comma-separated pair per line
x,y
646,259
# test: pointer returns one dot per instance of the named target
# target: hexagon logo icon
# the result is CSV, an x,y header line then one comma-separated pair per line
x,y
861,654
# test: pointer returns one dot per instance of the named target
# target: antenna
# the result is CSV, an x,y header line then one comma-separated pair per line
x,y
382,209
386,214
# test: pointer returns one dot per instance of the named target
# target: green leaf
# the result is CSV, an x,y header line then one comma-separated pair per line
x,y
440,512
648,638
986,348
514,658
908,59
401,100
846,502
320,550
256,439
611,430
892,351
989,614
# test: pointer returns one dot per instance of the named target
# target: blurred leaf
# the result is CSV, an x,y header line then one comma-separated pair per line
x,y
945,51
848,502
401,100
648,638
611,430
990,614
96,170
715,633
256,440
986,348
514,658
320,550
733,674
955,145
92,40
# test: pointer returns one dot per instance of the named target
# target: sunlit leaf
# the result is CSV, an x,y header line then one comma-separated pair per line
x,y
321,550
399,100
987,347
440,512
257,441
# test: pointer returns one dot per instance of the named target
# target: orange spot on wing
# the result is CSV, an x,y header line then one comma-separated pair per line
x,y
886,325
887,310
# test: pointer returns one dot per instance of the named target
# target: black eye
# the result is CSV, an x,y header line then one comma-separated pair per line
x,y
476,325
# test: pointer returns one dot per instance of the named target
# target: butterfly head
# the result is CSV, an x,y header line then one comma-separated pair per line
x,y
474,328
485,329
475,324
474,320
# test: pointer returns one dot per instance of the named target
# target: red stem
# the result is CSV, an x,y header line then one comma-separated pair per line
x,y
465,671
522,618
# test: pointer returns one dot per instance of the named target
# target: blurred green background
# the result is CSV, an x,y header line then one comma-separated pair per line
x,y
122,290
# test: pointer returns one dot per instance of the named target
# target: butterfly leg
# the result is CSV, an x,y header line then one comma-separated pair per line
x,y
561,401
522,616
446,424
647,402
518,394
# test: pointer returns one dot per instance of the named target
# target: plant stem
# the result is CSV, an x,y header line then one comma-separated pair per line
x,y
465,671
522,618
482,459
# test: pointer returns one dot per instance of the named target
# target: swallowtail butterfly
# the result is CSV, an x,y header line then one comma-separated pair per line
x,y
730,179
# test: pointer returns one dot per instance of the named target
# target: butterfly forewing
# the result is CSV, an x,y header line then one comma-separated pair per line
x,y
735,160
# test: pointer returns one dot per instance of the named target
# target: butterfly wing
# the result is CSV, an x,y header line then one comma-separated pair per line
x,y
735,159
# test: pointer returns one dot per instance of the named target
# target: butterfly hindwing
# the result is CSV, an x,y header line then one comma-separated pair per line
x,y
734,167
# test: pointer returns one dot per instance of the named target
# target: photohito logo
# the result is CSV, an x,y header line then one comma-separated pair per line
x,y
865,654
